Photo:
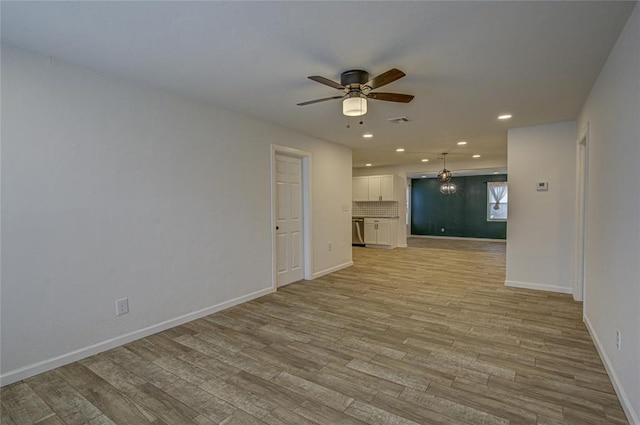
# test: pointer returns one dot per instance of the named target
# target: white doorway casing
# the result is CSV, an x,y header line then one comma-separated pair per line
x,y
293,221
582,166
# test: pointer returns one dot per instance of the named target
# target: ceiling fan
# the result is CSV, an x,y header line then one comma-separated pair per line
x,y
357,87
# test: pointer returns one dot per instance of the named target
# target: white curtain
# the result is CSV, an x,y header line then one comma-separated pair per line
x,y
498,192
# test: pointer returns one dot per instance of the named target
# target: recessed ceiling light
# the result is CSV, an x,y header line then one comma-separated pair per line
x,y
462,142
424,177
367,135
367,165
476,156
400,150
495,172
504,116
425,160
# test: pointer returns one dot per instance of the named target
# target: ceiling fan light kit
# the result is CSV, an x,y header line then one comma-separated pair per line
x,y
356,86
354,105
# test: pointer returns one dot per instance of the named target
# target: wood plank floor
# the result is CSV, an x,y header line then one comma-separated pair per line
x,y
423,335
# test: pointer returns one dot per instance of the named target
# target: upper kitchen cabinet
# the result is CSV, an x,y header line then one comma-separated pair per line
x,y
361,188
376,188
381,188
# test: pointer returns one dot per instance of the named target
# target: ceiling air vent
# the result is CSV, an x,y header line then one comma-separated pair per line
x,y
399,120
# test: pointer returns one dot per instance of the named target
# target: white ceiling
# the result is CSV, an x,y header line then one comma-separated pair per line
x,y
466,62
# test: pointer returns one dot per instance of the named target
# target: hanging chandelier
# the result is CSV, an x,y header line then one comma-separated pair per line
x,y
448,188
444,177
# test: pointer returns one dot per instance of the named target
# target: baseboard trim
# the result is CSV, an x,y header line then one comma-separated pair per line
x,y
538,286
460,238
632,416
73,356
331,269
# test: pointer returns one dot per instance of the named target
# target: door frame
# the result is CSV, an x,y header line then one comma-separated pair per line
x,y
307,247
580,237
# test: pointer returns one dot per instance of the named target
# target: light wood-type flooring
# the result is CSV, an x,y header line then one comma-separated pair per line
x,y
423,335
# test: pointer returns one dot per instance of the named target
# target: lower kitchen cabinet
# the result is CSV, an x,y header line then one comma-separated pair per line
x,y
381,231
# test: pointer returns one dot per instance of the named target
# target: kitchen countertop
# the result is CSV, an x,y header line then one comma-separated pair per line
x,y
375,216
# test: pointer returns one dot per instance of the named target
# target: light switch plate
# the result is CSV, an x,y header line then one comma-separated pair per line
x,y
542,186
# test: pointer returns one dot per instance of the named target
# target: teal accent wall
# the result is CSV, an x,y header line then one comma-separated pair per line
x,y
463,214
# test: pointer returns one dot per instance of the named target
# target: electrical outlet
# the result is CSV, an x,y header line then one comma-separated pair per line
x,y
122,306
329,246
618,340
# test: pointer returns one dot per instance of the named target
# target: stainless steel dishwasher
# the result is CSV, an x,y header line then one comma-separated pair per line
x,y
357,231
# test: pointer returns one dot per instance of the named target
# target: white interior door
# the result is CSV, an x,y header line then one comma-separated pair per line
x,y
289,240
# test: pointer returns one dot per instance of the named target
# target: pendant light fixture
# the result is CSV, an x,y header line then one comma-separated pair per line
x,y
448,188
444,177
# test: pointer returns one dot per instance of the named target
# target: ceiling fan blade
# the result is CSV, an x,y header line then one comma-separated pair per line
x,y
385,78
319,100
391,97
326,82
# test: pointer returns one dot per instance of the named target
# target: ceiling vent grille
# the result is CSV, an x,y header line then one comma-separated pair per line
x,y
399,120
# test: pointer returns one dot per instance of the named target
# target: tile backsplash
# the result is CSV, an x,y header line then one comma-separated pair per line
x,y
375,209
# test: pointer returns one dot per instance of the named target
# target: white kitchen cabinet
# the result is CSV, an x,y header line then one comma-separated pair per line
x,y
384,233
370,232
381,188
376,188
388,189
361,188
381,231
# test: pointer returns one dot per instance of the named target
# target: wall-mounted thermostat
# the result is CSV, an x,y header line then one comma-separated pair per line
x,y
542,186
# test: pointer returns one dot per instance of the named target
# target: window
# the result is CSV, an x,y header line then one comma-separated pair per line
x,y
497,201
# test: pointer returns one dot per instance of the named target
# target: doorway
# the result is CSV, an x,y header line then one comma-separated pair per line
x,y
290,200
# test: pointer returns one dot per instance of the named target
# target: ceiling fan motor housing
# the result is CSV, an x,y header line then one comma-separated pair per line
x,y
355,76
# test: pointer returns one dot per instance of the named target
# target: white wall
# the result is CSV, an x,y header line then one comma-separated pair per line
x,y
540,226
612,293
111,190
332,207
